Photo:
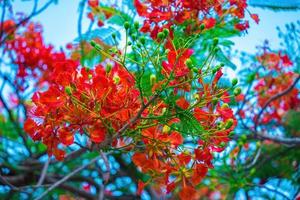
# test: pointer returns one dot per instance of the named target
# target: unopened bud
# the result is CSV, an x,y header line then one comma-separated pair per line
x,y
68,90
217,49
126,25
139,45
196,96
215,41
229,123
136,25
108,68
160,35
116,79
252,171
195,70
234,81
225,105
189,63
166,129
166,31
133,37
215,100
251,77
237,91
202,27
152,79
142,40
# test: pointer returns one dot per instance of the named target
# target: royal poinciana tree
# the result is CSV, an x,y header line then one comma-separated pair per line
x,y
141,105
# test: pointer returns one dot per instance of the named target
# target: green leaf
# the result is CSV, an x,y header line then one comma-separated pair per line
x,y
189,125
103,33
220,56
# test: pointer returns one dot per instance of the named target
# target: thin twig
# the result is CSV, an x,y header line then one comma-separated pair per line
x,y
275,97
138,115
61,181
44,172
107,166
34,12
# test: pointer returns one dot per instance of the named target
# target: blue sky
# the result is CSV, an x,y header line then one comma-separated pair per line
x,y
60,24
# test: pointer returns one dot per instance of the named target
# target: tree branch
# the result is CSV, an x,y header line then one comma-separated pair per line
x,y
275,97
61,181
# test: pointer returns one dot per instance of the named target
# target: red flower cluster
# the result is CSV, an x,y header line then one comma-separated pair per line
x,y
96,11
274,83
8,27
34,58
167,160
163,14
177,68
96,103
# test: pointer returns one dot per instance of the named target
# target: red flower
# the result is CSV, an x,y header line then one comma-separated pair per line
x,y
140,8
182,103
188,193
242,26
93,3
199,173
209,22
176,62
141,186
255,18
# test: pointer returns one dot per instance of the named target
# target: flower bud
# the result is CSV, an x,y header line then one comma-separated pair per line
x,y
217,49
166,129
108,68
229,123
160,35
225,105
152,79
136,25
195,70
237,91
215,100
223,144
251,78
215,41
220,125
258,144
252,171
113,36
166,31
68,90
142,40
234,81
126,25
189,63
133,36
116,79
243,138
93,43
202,27
139,45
